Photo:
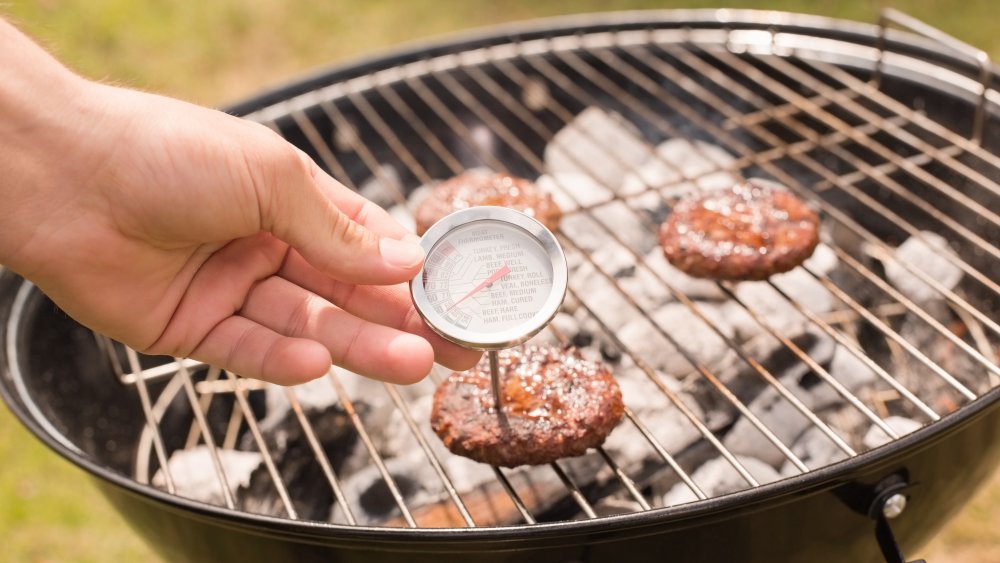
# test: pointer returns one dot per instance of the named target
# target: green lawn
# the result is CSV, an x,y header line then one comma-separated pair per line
x,y
224,50
50,510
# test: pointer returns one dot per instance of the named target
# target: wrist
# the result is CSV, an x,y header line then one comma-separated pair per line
x,y
42,110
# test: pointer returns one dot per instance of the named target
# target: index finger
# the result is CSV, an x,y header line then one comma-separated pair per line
x,y
355,206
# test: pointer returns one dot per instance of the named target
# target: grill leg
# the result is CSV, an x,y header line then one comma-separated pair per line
x,y
887,543
890,503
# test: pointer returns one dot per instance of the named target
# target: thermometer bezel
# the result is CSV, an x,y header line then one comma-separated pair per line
x,y
513,335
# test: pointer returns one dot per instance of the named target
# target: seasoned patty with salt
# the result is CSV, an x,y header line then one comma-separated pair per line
x,y
476,188
747,232
555,404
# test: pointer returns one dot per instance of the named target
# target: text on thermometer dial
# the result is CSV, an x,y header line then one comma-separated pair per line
x,y
493,277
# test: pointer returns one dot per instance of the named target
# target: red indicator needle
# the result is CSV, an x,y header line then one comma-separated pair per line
x,y
496,276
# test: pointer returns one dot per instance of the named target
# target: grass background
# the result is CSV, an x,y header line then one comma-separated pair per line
x,y
223,50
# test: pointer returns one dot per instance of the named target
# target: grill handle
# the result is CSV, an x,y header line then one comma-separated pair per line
x,y
980,57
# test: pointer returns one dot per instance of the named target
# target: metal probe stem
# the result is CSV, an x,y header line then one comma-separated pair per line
x,y
495,378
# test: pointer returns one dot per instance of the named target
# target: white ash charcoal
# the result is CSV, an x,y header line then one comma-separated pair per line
x,y
562,327
566,324
361,390
915,374
614,259
785,365
573,261
422,388
815,449
695,288
780,417
708,182
775,309
317,394
545,338
571,190
803,288
849,423
587,468
369,497
601,297
849,370
677,160
194,475
691,333
609,352
718,477
597,143
367,390
902,426
384,187
627,226
419,194
589,330
822,261
646,289
585,232
276,407
401,439
653,206
593,342
404,217
291,448
464,473
661,417
423,493
777,413
926,254
481,136
745,326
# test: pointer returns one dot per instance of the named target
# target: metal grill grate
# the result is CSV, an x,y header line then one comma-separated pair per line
x,y
846,145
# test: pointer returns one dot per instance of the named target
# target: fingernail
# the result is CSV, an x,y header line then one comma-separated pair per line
x,y
410,237
400,253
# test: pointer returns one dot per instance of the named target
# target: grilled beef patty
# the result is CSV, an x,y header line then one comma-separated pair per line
x,y
747,232
477,188
555,404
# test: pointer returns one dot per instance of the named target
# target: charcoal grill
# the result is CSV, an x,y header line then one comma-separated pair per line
x,y
891,135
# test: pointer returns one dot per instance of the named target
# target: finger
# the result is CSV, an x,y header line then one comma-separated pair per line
x,y
251,350
386,305
363,347
217,290
354,205
300,206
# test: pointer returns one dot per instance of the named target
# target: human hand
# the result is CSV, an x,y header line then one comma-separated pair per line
x,y
181,230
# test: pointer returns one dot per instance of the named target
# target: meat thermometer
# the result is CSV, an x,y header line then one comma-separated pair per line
x,y
493,277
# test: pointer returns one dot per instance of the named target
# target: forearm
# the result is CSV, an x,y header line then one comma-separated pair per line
x,y
42,125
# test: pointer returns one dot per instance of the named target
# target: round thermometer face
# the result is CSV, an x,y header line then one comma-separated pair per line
x,y
493,277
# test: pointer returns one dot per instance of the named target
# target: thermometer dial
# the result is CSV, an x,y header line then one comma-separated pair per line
x,y
493,277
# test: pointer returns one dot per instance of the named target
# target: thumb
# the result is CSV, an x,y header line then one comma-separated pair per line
x,y
350,242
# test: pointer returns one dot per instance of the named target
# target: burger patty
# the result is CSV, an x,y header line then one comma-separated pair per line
x,y
555,404
477,188
747,232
